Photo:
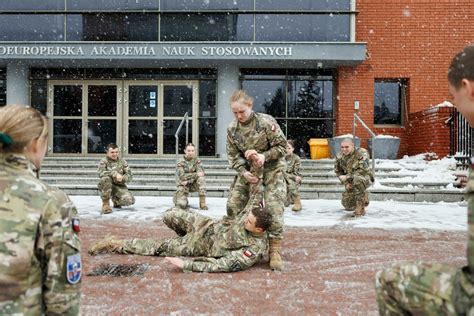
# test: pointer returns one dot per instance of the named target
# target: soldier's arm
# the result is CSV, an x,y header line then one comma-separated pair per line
x,y
102,169
183,175
234,261
277,141
127,172
59,247
297,167
236,159
337,168
361,167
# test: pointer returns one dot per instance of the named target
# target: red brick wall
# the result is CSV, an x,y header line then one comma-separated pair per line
x,y
428,131
405,39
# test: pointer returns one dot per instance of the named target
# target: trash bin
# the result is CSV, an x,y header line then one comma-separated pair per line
x,y
318,148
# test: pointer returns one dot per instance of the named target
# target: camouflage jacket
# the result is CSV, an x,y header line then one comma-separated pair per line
x,y
187,170
463,289
293,164
261,133
231,248
109,167
40,265
356,164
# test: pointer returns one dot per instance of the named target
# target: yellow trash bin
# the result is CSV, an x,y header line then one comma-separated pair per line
x,y
319,148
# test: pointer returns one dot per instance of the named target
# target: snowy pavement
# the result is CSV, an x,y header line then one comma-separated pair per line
x,y
315,213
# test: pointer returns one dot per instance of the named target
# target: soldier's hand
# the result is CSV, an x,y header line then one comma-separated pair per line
x,y
250,153
118,178
343,178
250,177
201,174
176,261
259,160
184,183
298,179
349,186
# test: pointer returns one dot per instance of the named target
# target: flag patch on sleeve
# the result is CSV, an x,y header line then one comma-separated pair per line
x,y
248,253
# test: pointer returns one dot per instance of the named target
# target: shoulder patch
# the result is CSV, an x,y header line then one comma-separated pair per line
x,y
248,253
75,225
74,268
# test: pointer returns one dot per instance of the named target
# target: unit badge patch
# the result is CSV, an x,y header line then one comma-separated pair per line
x,y
75,225
74,268
248,253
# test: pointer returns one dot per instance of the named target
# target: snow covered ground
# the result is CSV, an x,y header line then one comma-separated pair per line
x,y
315,213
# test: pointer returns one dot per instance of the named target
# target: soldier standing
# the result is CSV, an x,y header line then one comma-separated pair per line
x,y
222,246
256,138
436,289
189,178
353,170
293,177
40,262
114,174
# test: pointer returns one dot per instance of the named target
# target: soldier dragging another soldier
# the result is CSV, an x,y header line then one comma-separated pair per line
x,y
353,170
189,178
114,173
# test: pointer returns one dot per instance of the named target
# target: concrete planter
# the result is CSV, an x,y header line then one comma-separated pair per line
x,y
385,147
335,144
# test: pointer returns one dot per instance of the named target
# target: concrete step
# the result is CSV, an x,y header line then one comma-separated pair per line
x,y
376,194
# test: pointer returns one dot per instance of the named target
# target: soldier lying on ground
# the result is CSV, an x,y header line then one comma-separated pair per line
x,y
221,246
114,173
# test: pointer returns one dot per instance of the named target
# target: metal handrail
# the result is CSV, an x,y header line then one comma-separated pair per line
x,y
356,117
185,118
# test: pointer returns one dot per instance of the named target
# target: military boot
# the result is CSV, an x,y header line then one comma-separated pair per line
x,y
297,205
106,209
276,263
202,202
107,245
359,211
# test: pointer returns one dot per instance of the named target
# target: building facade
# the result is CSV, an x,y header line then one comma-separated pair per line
x,y
128,71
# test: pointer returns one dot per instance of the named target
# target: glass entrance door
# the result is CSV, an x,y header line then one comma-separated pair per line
x,y
154,111
140,116
85,116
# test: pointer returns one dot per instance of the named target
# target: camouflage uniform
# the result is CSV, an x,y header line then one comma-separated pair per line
x,y
187,170
40,266
261,133
293,164
108,187
221,246
356,167
430,289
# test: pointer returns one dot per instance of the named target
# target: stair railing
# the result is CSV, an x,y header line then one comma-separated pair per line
x,y
357,118
176,135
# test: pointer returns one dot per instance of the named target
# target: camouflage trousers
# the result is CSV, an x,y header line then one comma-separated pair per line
x,y
274,194
292,188
416,289
351,198
180,197
194,237
119,193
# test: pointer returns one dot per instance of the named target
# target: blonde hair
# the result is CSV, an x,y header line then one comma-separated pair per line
x,y
21,124
241,96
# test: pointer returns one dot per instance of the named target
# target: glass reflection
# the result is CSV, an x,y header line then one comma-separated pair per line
x,y
142,137
169,141
178,100
206,27
302,130
207,137
269,96
100,134
387,102
39,95
67,136
206,5
309,99
207,98
31,27
303,27
67,100
112,5
102,100
15,5
303,5
112,27
143,100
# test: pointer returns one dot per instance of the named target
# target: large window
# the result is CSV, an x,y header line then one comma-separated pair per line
x,y
389,101
3,86
302,103
206,27
31,27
